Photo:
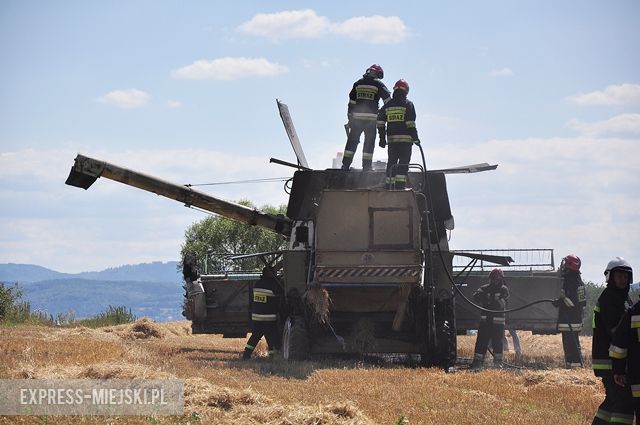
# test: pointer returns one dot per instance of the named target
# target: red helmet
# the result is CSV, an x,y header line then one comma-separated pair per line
x,y
571,262
375,71
401,85
496,274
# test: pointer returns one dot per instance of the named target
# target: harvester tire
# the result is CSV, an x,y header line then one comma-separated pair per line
x,y
295,339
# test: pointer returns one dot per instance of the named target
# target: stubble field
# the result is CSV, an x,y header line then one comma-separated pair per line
x,y
222,389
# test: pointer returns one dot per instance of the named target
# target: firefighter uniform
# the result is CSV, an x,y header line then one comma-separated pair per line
x,y
607,312
264,314
397,126
492,296
363,111
571,308
625,354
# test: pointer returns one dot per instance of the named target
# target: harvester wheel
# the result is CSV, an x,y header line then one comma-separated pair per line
x,y
295,339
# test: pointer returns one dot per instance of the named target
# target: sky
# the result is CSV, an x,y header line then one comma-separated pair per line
x,y
186,91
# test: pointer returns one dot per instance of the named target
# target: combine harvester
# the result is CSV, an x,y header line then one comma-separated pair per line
x,y
382,255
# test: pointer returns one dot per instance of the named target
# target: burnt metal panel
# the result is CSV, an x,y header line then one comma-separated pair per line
x,y
307,188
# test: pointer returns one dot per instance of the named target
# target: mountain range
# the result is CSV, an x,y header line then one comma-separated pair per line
x,y
149,289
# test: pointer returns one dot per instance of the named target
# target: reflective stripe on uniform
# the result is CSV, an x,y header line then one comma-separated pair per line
x,y
570,327
380,123
483,318
249,347
267,292
605,415
617,352
635,321
263,317
574,365
635,390
499,320
400,138
400,178
365,116
601,364
621,418
348,154
596,309
352,102
390,180
411,124
366,155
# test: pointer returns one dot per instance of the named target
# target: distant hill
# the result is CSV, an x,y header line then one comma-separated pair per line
x,y
149,289
159,300
149,272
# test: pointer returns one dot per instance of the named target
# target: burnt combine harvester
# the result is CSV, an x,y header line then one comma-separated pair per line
x,y
381,255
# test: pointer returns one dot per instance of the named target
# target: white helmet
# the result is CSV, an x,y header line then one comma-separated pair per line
x,y
618,263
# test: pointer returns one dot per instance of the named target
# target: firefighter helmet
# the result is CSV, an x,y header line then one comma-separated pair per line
x,y
496,275
375,71
571,262
401,85
618,263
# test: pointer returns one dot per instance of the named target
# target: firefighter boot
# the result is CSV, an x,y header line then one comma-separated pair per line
x,y
497,360
478,361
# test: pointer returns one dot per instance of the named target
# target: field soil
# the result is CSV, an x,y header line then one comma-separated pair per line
x,y
222,389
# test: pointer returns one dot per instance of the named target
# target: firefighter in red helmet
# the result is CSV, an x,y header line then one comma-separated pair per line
x,y
362,113
492,296
399,117
571,305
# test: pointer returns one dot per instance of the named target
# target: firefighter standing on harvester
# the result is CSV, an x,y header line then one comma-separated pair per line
x,y
570,310
492,296
399,116
607,313
362,113
267,294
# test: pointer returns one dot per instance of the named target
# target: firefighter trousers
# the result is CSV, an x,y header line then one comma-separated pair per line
x,y
489,332
357,127
398,164
572,350
267,329
617,406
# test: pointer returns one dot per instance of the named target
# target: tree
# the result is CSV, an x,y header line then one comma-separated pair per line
x,y
592,291
215,238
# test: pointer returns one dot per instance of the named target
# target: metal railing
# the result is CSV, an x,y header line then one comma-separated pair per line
x,y
525,259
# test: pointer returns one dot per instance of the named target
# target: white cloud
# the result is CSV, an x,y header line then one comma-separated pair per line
x,y
502,72
308,24
288,24
229,68
373,29
127,99
625,123
174,104
623,94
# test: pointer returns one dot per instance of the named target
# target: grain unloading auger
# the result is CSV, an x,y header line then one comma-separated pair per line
x,y
87,170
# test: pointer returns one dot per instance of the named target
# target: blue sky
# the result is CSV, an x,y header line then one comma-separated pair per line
x,y
186,91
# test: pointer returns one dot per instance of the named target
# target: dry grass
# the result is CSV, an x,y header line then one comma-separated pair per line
x,y
220,388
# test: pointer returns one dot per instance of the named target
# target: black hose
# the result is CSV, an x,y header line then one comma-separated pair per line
x,y
444,265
